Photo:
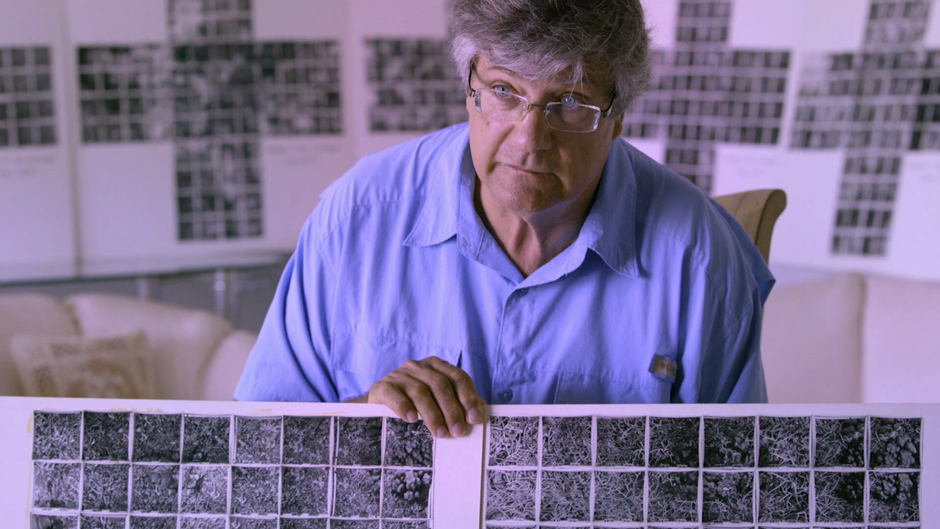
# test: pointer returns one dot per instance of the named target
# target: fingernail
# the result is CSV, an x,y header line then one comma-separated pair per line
x,y
457,430
442,433
474,416
411,416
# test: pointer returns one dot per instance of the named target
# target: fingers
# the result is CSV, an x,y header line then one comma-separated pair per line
x,y
464,389
440,393
435,397
409,396
388,393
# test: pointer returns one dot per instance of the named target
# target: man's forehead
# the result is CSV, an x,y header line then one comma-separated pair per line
x,y
483,65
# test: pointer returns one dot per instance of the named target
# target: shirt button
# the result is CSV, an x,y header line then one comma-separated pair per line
x,y
505,395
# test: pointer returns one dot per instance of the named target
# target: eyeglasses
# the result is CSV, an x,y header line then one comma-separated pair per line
x,y
567,115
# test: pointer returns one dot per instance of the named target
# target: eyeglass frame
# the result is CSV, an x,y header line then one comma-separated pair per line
x,y
475,94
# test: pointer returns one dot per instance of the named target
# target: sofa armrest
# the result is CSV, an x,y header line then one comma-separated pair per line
x,y
900,340
225,367
181,340
811,341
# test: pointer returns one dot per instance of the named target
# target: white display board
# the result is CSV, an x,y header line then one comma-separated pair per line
x,y
225,464
228,465
835,102
205,127
36,211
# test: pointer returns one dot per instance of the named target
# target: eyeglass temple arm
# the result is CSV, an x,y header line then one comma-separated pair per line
x,y
470,90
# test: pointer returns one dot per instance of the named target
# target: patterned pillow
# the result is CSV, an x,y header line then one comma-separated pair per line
x,y
71,366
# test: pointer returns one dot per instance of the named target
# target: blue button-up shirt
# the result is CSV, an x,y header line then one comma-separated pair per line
x,y
395,264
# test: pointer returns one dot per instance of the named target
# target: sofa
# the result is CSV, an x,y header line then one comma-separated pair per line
x,y
848,337
189,354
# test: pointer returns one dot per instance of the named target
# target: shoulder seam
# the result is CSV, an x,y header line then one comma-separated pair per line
x,y
338,222
699,258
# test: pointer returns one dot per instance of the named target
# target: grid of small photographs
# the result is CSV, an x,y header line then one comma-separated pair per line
x,y
26,98
705,93
213,92
301,88
110,470
124,93
218,188
216,136
694,472
209,20
875,104
414,85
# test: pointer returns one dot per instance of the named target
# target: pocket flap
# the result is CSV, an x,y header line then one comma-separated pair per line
x,y
580,388
359,360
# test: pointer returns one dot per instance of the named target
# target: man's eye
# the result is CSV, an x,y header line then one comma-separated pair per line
x,y
569,101
502,91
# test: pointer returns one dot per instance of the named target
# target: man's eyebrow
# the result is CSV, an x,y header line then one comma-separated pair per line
x,y
503,69
576,88
571,87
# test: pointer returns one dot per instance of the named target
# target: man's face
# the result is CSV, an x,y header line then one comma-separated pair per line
x,y
526,167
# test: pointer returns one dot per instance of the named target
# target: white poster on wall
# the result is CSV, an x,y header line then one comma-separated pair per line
x,y
859,137
36,228
720,73
205,128
404,81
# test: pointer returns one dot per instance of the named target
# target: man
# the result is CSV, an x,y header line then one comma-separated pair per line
x,y
529,256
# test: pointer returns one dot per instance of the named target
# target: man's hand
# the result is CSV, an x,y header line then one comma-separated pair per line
x,y
442,394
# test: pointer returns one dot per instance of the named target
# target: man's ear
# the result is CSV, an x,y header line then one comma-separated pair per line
x,y
618,126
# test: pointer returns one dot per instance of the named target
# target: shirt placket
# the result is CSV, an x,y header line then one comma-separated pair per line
x,y
510,383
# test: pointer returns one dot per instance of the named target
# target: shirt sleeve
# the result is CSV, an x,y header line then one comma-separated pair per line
x,y
290,360
721,361
732,371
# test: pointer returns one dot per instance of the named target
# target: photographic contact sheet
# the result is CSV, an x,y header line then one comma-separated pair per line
x,y
229,465
414,85
151,470
707,471
705,92
874,104
214,91
27,103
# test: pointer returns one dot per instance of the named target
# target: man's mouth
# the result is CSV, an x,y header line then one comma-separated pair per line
x,y
527,170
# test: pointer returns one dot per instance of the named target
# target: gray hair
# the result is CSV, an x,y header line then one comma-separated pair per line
x,y
599,41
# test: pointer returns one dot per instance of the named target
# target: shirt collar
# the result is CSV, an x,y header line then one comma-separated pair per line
x,y
437,221
609,229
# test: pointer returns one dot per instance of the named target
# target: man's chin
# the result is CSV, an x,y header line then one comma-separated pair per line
x,y
526,204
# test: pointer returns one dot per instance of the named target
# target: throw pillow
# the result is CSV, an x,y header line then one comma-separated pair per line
x,y
72,366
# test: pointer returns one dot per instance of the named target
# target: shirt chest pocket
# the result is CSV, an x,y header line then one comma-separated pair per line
x,y
360,360
580,388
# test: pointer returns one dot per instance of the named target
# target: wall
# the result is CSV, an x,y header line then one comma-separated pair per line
x,y
177,128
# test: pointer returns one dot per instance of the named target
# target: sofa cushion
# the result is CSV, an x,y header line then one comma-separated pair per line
x,y
901,341
117,367
811,341
182,340
28,314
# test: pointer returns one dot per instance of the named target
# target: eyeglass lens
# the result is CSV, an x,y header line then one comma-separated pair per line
x,y
512,107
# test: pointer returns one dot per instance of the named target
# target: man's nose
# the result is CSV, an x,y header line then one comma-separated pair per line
x,y
532,132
